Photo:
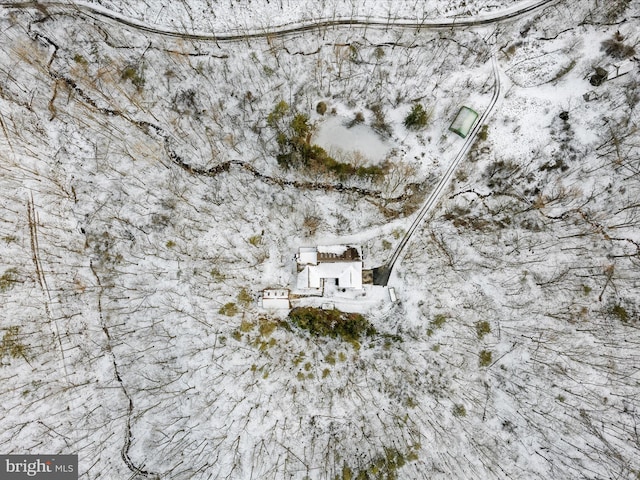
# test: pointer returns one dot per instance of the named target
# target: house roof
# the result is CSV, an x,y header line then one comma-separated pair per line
x,y
344,253
348,274
329,262
275,298
335,249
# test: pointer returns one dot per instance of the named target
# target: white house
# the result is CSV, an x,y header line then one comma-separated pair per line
x,y
329,265
275,299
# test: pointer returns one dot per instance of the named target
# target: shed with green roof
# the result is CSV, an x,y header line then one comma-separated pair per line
x,y
464,121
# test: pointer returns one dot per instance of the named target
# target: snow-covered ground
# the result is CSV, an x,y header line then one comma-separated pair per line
x,y
144,210
341,139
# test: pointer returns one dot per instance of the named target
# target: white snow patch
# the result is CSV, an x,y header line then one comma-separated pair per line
x,y
338,139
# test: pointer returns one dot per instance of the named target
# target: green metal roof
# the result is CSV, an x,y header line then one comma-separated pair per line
x,y
464,121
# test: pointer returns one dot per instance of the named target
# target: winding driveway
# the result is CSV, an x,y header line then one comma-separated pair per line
x,y
381,274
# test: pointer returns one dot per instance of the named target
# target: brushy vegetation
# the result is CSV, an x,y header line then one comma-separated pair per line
x,y
135,75
484,133
379,122
229,309
485,358
620,313
293,135
384,467
459,411
245,299
310,224
267,326
482,328
217,275
321,108
258,333
417,118
8,279
11,345
436,323
255,240
80,59
614,9
350,327
616,48
358,119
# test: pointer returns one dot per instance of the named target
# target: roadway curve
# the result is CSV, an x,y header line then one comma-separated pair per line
x,y
382,274
95,12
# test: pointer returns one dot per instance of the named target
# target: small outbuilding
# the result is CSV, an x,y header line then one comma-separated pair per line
x,y
464,121
392,295
275,299
610,72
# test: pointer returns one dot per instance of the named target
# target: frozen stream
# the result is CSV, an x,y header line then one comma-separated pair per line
x,y
334,136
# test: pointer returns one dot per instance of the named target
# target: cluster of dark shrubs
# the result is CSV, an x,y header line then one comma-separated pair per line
x,y
135,74
379,121
350,327
616,48
417,118
384,467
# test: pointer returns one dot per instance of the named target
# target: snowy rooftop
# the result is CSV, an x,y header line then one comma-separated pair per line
x,y
307,256
346,274
275,299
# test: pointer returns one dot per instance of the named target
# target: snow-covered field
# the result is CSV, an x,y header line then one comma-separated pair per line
x,y
143,210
